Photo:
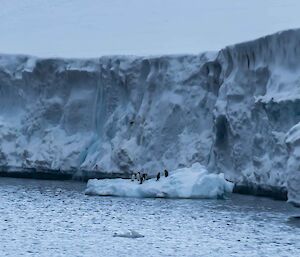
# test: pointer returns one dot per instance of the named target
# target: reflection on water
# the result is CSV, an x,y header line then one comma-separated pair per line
x,y
55,218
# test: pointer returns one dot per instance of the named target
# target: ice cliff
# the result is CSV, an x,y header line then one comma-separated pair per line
x,y
233,111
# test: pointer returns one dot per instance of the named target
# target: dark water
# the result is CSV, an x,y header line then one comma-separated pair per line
x,y
55,218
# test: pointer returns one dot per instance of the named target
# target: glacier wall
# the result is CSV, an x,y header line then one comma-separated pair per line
x,y
113,114
231,110
258,103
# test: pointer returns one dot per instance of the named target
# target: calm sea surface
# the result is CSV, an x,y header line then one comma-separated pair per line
x,y
55,218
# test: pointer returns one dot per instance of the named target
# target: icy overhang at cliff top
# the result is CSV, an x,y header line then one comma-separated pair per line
x,y
228,110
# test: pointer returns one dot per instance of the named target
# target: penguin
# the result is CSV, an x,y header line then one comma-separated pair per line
x,y
158,176
144,176
138,176
133,176
166,173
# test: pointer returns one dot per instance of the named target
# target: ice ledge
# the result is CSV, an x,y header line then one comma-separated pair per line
x,y
188,183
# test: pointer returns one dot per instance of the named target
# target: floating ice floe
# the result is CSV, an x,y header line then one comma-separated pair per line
x,y
130,234
193,182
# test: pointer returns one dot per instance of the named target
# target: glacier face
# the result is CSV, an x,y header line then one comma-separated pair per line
x,y
229,110
258,103
113,114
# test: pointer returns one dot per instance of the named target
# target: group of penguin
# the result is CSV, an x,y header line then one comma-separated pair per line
x,y
141,177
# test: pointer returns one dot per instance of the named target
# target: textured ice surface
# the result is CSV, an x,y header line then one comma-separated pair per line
x,y
193,182
114,114
293,165
229,110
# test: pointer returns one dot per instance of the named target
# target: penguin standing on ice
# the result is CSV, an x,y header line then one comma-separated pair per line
x,y
144,176
141,178
133,176
158,176
138,176
166,173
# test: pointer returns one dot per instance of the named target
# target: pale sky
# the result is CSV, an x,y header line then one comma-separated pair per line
x,y
91,28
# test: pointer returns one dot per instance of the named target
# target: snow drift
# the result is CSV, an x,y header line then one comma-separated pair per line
x,y
106,117
192,183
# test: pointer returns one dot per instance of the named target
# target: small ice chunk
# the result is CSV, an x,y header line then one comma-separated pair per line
x,y
130,234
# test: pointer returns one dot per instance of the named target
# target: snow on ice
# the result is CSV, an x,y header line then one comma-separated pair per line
x,y
194,182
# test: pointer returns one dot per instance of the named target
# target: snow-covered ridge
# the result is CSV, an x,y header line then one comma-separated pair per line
x,y
228,110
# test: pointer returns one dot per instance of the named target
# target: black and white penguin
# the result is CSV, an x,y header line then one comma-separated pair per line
x,y
166,173
158,176
144,176
138,176
133,176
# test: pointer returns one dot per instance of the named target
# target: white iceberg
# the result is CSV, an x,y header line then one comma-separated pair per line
x,y
130,234
193,182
